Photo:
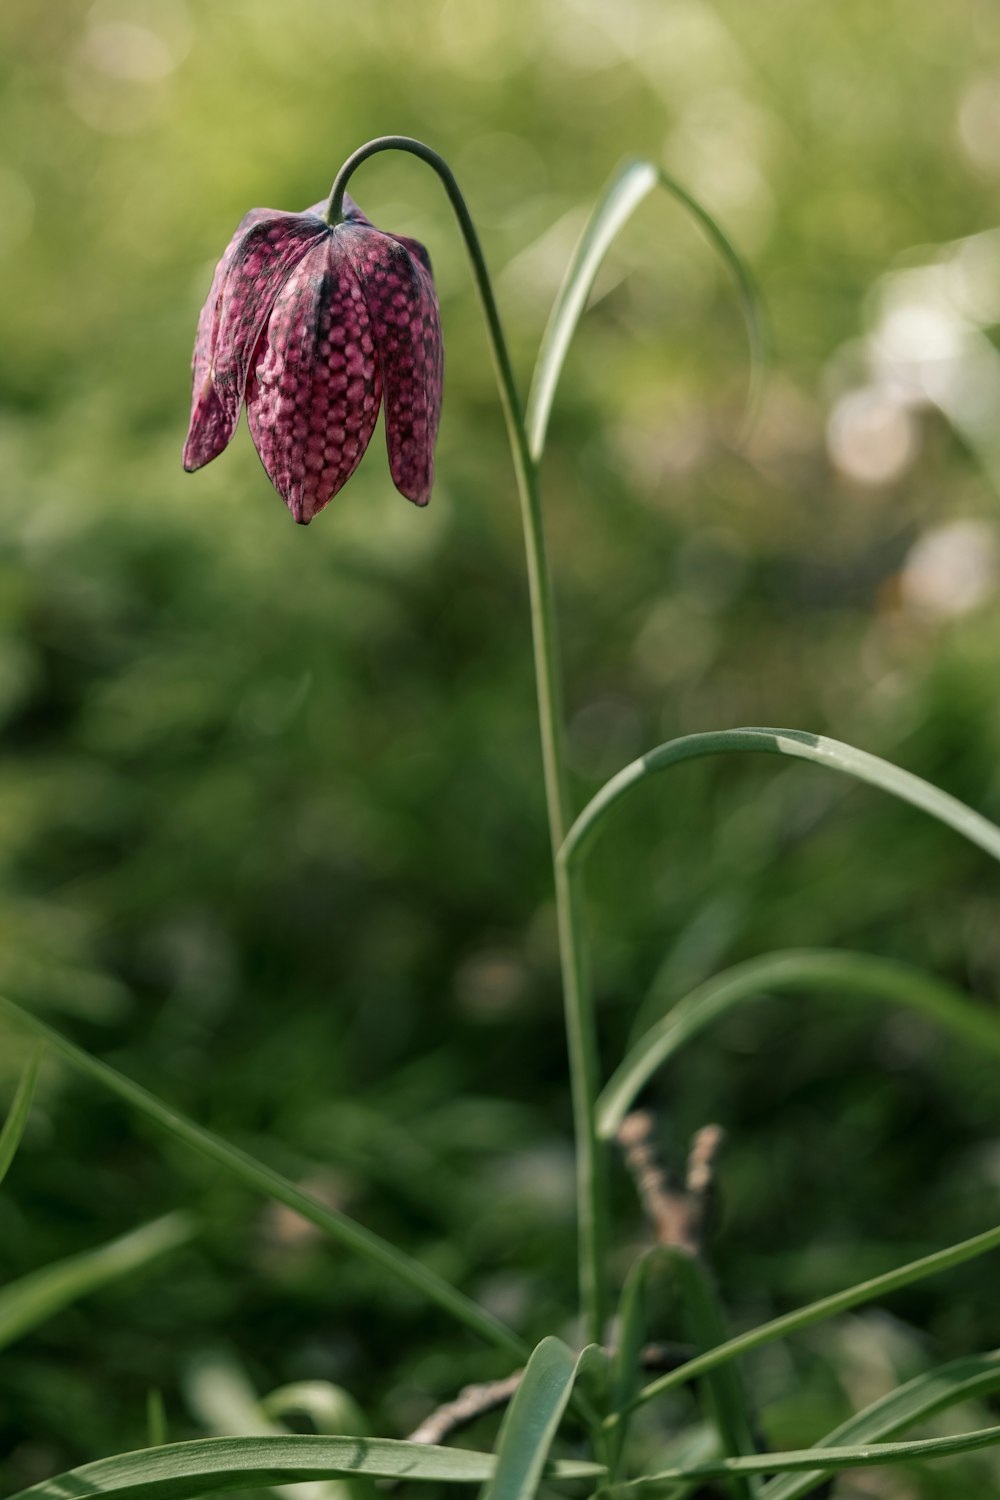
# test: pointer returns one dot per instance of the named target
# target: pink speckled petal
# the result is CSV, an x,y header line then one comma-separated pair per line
x,y
209,432
265,256
406,323
416,249
314,390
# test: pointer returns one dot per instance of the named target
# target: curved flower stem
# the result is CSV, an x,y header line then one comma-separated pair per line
x,y
542,610
580,1028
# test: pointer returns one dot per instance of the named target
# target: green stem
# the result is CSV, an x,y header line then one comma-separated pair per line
x,y
540,587
580,1027
591,1157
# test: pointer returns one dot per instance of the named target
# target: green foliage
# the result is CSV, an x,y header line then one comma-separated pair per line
x,y
725,1398
633,181
913,1402
17,1117
827,1307
532,1420
845,975
183,1470
263,1179
39,1295
271,825
868,1455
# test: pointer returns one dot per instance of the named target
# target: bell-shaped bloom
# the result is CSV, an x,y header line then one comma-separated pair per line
x,y
312,325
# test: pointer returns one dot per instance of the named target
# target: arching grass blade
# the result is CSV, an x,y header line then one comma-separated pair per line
x,y
629,185
183,1471
849,975
825,1307
272,1184
800,745
532,1420
867,1455
17,1116
961,1380
220,1394
631,182
329,1407
32,1299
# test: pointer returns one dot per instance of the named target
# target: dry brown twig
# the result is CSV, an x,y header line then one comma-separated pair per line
x,y
471,1402
475,1401
679,1216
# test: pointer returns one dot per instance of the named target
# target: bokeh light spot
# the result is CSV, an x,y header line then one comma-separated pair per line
x,y
952,569
871,437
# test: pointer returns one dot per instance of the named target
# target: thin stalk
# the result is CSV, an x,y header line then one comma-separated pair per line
x,y
539,583
580,1027
591,1155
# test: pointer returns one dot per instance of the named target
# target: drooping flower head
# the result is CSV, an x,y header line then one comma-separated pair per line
x,y
312,325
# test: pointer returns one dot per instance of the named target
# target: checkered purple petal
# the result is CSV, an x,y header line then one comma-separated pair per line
x,y
265,256
314,389
209,431
399,293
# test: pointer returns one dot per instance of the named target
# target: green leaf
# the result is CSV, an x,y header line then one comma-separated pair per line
x,y
265,1180
183,1471
219,1393
222,1397
17,1118
726,1399
34,1298
156,1417
825,1307
831,970
329,1407
631,1334
632,181
867,1455
797,743
689,1448
961,1380
697,1443
531,1421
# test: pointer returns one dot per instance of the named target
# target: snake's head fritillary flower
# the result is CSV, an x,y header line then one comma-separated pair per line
x,y
312,325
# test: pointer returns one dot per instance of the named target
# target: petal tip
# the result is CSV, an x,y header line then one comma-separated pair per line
x,y
417,488
210,430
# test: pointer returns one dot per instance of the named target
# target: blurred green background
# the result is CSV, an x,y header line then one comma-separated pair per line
x,y
272,836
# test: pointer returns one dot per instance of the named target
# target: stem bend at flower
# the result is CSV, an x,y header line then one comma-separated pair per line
x,y
580,1028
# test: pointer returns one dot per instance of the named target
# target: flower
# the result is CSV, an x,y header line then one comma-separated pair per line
x,y
311,325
